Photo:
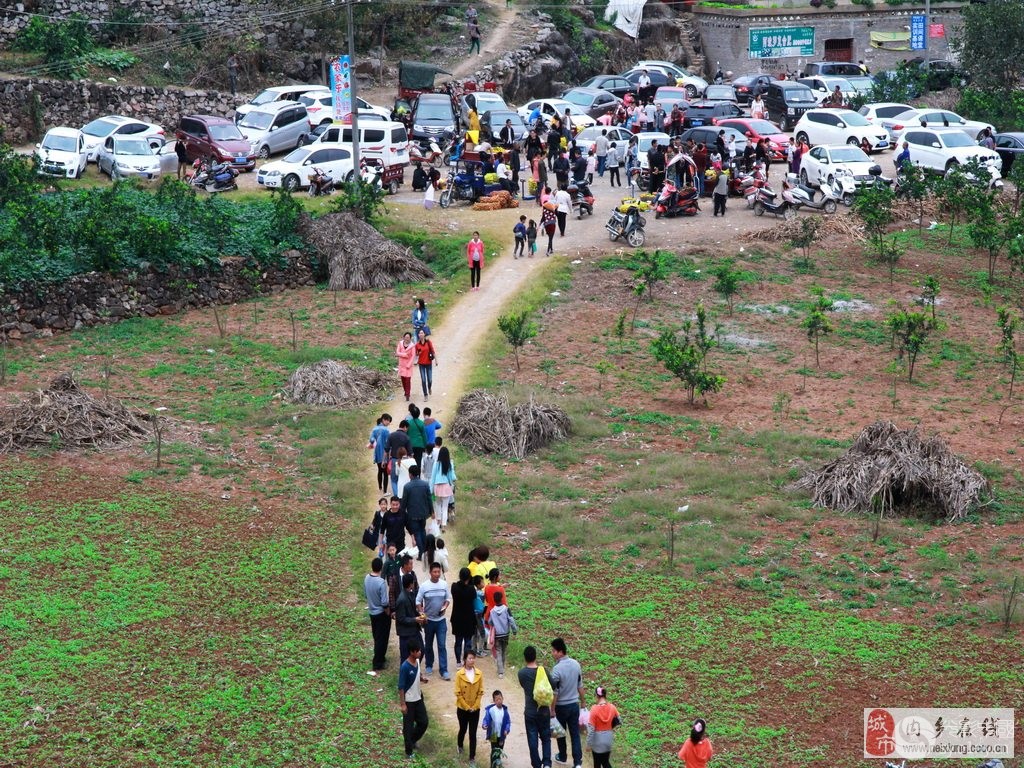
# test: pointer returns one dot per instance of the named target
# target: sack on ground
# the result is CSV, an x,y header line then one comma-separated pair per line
x,y
543,693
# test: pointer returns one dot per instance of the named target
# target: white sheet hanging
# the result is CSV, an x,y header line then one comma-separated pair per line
x,y
628,15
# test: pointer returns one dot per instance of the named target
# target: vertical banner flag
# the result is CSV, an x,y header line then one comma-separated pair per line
x,y
917,39
341,88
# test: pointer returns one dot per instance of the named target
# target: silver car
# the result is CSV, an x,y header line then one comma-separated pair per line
x,y
122,157
280,126
585,139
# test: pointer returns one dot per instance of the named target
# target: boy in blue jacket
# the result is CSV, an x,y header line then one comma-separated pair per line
x,y
497,723
519,230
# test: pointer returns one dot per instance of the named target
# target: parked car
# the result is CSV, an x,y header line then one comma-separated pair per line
x,y
862,84
940,149
658,78
278,93
670,95
593,101
644,139
616,85
551,107
749,86
877,113
216,137
1009,146
824,85
432,115
778,142
485,101
62,152
839,126
97,131
706,112
940,75
314,133
935,118
124,157
585,139
721,93
275,127
786,102
320,107
292,171
837,68
708,135
824,162
492,121
694,84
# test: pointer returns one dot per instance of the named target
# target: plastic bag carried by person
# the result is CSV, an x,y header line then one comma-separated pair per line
x,y
543,693
557,731
584,717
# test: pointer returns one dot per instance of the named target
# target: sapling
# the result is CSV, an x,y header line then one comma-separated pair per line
x,y
295,330
889,252
930,293
517,329
806,236
727,282
687,358
549,368
1008,324
911,330
874,206
817,323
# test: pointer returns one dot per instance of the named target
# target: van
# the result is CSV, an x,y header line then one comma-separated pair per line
x,y
834,68
217,137
280,126
380,140
786,102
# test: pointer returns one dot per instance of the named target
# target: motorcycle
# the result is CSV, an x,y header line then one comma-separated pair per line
x,y
320,183
628,225
213,177
673,202
582,198
466,185
842,186
766,200
809,196
438,152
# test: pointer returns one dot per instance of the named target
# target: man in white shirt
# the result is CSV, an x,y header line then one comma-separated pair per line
x,y
643,85
601,151
504,174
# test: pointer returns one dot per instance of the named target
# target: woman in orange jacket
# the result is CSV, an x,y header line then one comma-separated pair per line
x,y
697,750
425,359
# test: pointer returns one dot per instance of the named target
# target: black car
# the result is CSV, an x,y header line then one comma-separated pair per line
x,y
492,121
594,101
616,85
706,112
749,86
1009,146
657,78
941,75
786,102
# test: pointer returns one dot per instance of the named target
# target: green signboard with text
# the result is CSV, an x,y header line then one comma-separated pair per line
x,y
781,42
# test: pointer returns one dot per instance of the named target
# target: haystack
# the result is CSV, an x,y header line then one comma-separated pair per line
x,y
840,227
359,257
486,423
890,469
65,417
340,385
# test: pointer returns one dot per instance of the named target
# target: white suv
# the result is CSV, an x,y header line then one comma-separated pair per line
x,y
278,93
62,152
839,126
940,149
276,127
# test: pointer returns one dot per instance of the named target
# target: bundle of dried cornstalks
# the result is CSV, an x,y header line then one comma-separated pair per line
x,y
340,385
890,469
487,423
359,257
64,417
838,226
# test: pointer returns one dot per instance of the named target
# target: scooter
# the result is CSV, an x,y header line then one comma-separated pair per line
x,y
842,187
582,198
809,196
320,183
674,202
628,225
466,185
437,153
215,177
767,201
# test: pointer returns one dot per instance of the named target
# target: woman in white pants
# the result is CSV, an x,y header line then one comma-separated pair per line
x,y
442,485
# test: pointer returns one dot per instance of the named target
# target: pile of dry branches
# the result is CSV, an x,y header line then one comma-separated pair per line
x,y
341,385
839,226
911,210
65,417
359,257
889,469
486,423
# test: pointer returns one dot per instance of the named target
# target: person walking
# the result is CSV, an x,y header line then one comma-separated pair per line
x,y
697,749
426,359
757,108
417,434
656,162
377,604
601,147
700,164
406,353
604,718
475,260
417,506
497,724
408,621
420,317
721,191
536,717
442,485
563,207
473,29
378,442
463,618
410,700
567,680
469,695
503,624
396,440
233,72
531,238
393,525
612,165
519,231
549,221
433,600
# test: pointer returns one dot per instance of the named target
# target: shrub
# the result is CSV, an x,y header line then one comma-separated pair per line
x,y
64,45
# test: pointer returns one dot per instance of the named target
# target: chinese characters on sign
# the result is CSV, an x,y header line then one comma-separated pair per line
x,y
913,734
341,88
936,30
781,42
917,40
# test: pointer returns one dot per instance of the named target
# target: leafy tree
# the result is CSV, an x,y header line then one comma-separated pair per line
x,y
18,177
930,293
687,358
961,192
517,329
1008,324
889,252
806,236
817,323
910,330
900,85
991,43
652,269
987,232
916,184
727,282
1016,177
874,206
363,199
65,45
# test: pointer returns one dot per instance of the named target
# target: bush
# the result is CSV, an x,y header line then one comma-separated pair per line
x,y
1003,110
64,45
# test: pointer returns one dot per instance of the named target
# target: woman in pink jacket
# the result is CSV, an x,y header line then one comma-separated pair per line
x,y
475,259
406,353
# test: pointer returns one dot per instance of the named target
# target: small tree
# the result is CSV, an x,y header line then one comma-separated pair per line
x,y
651,270
687,358
950,190
518,329
988,233
890,250
916,185
817,323
874,206
806,236
363,199
1008,324
910,330
930,293
1016,177
727,282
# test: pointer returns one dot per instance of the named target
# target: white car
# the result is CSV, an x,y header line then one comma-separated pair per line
x,y
280,93
551,107
644,139
62,153
320,106
96,132
940,149
839,126
881,111
824,163
585,140
934,118
824,85
122,157
694,84
292,172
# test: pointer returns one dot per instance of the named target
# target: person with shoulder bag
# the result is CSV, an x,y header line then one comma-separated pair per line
x,y
426,359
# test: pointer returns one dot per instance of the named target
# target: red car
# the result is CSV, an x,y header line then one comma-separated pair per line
x,y
778,142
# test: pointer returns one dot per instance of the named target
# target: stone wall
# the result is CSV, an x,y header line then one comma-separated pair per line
x,y
98,298
74,103
725,34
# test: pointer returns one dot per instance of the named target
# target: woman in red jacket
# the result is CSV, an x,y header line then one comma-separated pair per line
x,y
425,358
697,749
475,259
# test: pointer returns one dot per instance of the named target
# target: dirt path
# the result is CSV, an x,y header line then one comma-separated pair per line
x,y
496,40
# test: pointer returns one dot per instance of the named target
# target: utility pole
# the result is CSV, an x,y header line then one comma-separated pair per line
x,y
927,35
355,103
